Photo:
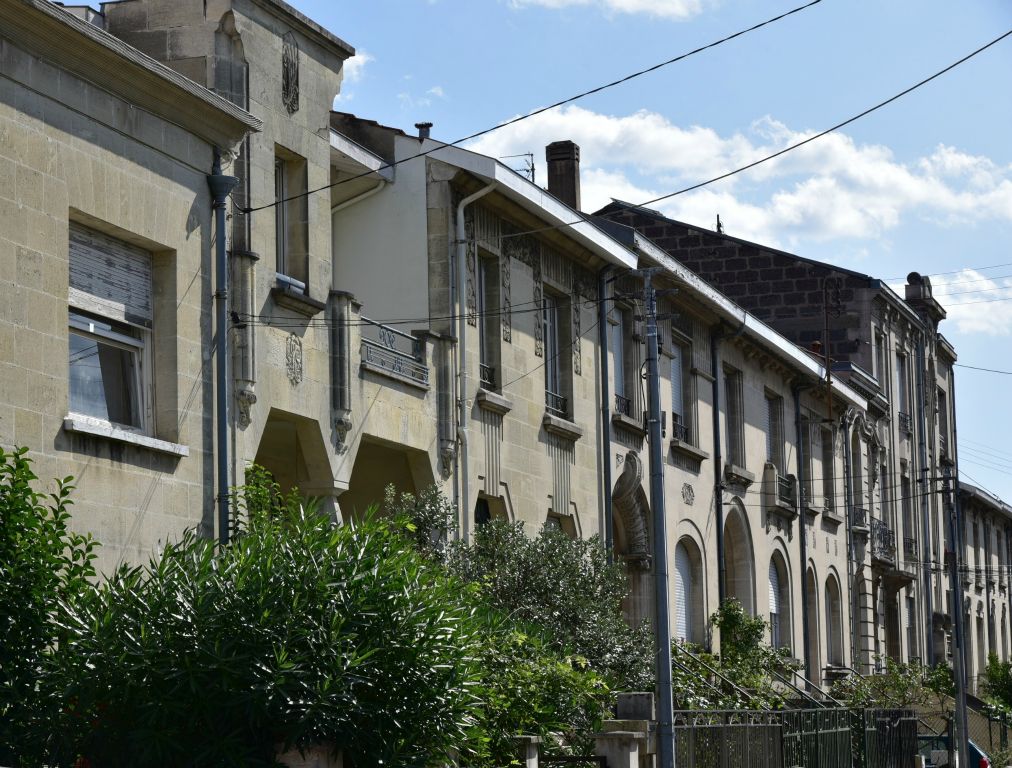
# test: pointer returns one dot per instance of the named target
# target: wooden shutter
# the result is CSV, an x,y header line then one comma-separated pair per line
x,y
109,277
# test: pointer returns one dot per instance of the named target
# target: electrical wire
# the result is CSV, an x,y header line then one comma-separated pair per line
x,y
978,368
540,110
787,149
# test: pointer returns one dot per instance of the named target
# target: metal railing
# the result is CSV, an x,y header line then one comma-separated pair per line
x,y
859,518
393,351
556,404
906,424
623,405
943,445
909,548
785,489
679,430
486,374
728,739
883,541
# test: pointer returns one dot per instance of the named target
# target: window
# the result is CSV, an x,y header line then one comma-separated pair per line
x,y
780,601
880,359
911,627
775,432
943,422
624,365
734,417
809,436
109,327
902,394
828,469
487,295
681,394
907,505
556,358
291,219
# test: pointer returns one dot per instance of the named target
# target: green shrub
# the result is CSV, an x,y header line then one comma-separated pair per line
x,y
897,685
42,565
298,632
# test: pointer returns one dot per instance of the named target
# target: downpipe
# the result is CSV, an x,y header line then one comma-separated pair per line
x,y
602,332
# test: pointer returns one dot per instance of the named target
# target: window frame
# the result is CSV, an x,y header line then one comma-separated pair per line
x,y
292,213
488,315
775,438
555,384
734,416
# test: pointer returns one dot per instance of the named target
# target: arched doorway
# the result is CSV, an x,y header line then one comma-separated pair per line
x,y
780,603
689,606
814,646
834,622
377,465
739,563
293,450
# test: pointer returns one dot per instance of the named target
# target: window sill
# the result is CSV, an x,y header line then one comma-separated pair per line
x,y
494,402
629,424
561,427
738,475
689,451
832,516
88,426
301,303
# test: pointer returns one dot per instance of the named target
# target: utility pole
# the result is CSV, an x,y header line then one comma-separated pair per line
x,y
956,607
662,626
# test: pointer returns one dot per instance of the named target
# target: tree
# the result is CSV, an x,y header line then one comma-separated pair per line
x,y
898,685
297,632
43,565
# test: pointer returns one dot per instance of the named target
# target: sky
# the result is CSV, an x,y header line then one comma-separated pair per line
x,y
924,184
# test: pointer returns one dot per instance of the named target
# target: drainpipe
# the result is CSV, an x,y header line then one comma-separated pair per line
x,y
846,422
462,418
359,197
803,538
602,332
925,502
220,185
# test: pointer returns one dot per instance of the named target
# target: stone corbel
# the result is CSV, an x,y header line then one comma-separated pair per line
x,y
245,400
342,426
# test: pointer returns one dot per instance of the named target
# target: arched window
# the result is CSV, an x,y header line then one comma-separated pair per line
x,y
739,564
780,603
689,609
834,623
814,647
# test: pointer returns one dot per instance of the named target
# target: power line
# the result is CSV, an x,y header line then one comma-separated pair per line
x,y
956,271
540,110
977,368
787,149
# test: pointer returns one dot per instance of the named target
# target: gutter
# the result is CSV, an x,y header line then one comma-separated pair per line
x,y
803,543
359,197
464,511
602,332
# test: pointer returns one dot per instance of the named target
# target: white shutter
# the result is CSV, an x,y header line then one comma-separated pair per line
x,y
774,589
683,592
676,383
109,277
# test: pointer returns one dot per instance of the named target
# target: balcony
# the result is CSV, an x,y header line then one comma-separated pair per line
x,y
883,543
785,490
778,498
557,405
943,446
486,375
910,549
390,352
859,518
905,423
623,406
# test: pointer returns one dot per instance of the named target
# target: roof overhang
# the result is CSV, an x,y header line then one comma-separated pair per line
x,y
74,45
533,199
352,158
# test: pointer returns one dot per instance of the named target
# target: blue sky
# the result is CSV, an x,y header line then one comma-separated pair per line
x,y
924,184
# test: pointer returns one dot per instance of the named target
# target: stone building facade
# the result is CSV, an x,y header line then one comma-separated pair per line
x,y
105,273
886,347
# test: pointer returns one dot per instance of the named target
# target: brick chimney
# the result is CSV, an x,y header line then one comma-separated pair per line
x,y
563,159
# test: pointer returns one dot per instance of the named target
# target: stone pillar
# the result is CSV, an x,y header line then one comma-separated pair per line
x,y
529,750
629,742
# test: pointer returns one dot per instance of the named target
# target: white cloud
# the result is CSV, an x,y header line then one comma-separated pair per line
x,y
975,303
437,91
353,70
669,9
833,189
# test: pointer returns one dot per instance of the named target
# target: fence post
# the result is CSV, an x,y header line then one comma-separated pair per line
x,y
529,750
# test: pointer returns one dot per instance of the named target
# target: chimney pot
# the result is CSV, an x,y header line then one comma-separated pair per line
x,y
423,130
563,158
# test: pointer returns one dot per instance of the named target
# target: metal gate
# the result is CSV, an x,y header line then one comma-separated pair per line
x,y
728,739
885,738
817,738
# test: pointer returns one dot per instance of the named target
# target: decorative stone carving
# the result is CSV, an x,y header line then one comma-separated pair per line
x,y
629,504
293,359
577,334
688,494
539,329
342,426
245,400
506,300
470,254
290,73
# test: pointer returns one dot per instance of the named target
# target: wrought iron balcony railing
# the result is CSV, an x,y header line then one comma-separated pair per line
x,y
679,430
883,541
943,445
906,424
909,549
859,518
785,490
623,405
393,351
556,404
487,374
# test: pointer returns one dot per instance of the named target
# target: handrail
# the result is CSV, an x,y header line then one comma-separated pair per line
x,y
689,671
818,687
713,671
799,690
